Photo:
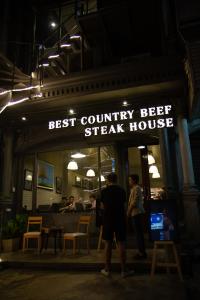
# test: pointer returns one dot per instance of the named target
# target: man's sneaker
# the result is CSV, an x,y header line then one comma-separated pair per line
x,y
125,274
105,273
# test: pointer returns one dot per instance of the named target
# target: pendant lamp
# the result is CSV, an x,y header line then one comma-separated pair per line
x,y
153,169
102,178
151,159
72,165
156,175
90,173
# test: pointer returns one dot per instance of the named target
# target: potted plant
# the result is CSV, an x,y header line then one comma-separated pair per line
x,y
12,233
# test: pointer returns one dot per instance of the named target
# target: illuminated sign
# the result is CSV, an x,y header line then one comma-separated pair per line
x,y
120,122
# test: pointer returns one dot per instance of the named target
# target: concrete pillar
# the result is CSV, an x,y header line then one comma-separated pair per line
x,y
190,192
34,191
166,162
7,163
186,155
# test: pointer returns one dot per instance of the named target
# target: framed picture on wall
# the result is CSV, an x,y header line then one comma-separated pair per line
x,y
87,184
45,176
58,185
28,180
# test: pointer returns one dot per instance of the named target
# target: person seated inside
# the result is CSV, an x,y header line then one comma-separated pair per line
x,y
69,205
64,201
92,198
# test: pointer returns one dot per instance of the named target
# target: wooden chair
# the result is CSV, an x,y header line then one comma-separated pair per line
x,y
100,241
75,236
33,222
170,248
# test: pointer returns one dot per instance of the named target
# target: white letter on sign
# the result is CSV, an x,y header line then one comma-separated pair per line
x,y
51,125
143,112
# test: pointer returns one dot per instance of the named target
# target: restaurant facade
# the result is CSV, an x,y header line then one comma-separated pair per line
x,y
125,115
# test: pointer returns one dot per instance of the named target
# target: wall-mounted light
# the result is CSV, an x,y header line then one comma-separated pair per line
x,y
72,165
141,147
90,173
151,159
153,169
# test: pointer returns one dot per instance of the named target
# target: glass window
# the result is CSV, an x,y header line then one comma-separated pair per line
x,y
69,176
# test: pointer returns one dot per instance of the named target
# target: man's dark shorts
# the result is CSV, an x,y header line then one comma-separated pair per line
x,y
110,230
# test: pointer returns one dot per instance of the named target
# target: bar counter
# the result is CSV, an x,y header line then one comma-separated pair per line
x,y
69,220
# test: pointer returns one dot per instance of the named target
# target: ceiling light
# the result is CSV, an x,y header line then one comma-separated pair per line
x,y
72,165
65,45
90,173
156,175
124,103
71,111
24,119
153,169
78,155
53,24
151,159
141,147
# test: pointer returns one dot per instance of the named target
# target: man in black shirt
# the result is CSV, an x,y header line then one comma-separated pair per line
x,y
113,199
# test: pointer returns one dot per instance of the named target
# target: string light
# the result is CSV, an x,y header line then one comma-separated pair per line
x,y
11,103
20,89
26,88
75,36
5,92
53,56
66,45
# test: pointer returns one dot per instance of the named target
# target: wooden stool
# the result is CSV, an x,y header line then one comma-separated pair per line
x,y
169,246
100,241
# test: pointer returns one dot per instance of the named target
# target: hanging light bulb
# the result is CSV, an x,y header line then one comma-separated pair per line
x,y
72,165
90,173
156,175
151,159
78,155
153,169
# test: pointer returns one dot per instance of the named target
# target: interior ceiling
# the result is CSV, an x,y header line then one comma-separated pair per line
x,y
90,161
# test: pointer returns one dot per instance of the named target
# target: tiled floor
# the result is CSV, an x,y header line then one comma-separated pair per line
x,y
53,285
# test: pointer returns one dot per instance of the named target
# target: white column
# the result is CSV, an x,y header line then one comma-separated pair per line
x,y
186,155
